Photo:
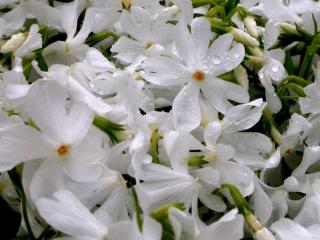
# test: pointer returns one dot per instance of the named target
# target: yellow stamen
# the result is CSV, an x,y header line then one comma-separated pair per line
x,y
198,76
63,150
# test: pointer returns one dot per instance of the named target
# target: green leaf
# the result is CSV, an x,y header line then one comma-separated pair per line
x,y
230,8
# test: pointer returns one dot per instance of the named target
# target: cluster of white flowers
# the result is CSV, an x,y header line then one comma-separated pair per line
x,y
161,120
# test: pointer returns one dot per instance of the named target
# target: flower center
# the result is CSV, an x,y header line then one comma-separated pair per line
x,y
63,150
126,3
148,45
198,76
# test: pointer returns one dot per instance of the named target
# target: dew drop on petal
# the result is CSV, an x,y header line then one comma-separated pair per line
x,y
261,75
91,85
237,123
229,65
216,59
275,68
100,91
236,55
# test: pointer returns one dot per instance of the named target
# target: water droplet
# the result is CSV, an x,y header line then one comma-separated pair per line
x,y
261,75
100,91
236,55
91,85
237,123
275,68
216,59
228,66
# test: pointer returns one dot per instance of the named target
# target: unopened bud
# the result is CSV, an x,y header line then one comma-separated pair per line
x,y
289,28
244,37
242,77
13,43
263,234
251,26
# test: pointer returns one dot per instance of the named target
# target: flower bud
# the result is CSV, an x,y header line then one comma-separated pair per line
x,y
251,26
264,234
244,37
242,77
13,43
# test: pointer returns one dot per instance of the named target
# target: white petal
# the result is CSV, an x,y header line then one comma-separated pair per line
x,y
164,71
261,203
176,146
127,49
97,60
239,175
186,108
46,105
20,143
212,133
152,230
287,229
68,17
201,35
137,23
183,43
186,9
77,123
33,42
218,92
310,156
46,180
224,56
83,95
229,227
85,29
211,201
181,223
67,214
271,34
14,91
244,116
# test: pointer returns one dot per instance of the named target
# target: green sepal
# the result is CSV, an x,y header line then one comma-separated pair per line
x,y
242,205
139,212
98,37
154,142
288,63
161,215
108,127
196,161
199,3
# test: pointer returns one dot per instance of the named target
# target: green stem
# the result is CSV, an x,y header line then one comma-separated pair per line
x,y
138,209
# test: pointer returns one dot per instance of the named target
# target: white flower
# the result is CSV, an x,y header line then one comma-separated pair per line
x,y
150,34
61,130
199,67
